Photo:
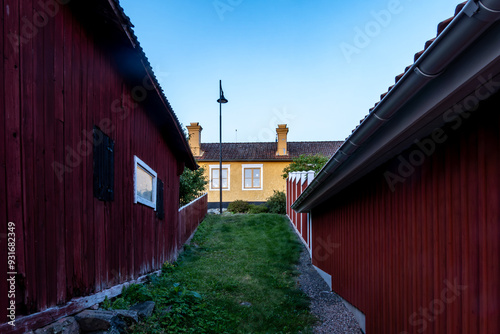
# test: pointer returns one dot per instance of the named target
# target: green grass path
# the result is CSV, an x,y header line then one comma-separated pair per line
x,y
232,260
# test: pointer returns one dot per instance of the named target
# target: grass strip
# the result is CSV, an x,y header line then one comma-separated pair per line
x,y
238,276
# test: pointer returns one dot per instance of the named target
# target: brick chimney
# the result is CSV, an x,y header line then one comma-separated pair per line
x,y
195,138
282,131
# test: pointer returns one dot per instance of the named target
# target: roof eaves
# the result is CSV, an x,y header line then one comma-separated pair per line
x,y
127,26
403,84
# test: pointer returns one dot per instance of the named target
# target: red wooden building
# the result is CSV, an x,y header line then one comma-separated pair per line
x,y
405,217
90,158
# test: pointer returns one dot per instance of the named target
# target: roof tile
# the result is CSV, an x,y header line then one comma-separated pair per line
x,y
440,29
443,25
266,151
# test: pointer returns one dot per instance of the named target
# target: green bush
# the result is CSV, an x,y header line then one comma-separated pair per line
x,y
238,207
277,203
258,208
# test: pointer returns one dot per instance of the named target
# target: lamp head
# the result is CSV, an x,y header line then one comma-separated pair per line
x,y
222,99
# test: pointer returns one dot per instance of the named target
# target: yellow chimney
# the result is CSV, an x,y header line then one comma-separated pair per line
x,y
282,131
195,138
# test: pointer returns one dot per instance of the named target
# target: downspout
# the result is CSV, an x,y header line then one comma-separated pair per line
x,y
453,40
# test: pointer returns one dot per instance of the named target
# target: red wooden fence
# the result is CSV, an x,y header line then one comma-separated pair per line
x,y
190,216
296,183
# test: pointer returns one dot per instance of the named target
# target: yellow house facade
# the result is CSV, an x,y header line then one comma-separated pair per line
x,y
250,171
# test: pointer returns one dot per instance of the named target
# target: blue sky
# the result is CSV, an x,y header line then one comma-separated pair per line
x,y
316,65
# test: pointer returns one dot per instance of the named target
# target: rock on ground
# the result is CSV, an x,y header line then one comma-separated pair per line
x,y
334,318
144,309
63,326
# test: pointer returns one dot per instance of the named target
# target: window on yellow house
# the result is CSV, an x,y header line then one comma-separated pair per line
x,y
215,177
252,177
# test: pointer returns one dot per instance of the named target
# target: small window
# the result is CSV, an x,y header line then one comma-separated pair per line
x,y
103,165
252,177
215,177
145,180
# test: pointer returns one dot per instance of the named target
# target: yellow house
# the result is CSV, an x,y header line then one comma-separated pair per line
x,y
250,171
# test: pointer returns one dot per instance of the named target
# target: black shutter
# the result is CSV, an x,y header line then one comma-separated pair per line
x,y
104,161
160,208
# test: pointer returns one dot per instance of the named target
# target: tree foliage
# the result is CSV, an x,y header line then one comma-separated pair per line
x,y
192,185
305,163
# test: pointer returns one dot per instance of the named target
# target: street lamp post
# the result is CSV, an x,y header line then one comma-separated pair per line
x,y
221,100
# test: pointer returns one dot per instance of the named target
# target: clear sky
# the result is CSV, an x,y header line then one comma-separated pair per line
x,y
316,65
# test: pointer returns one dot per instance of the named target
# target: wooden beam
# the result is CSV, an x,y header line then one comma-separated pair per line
x,y
41,319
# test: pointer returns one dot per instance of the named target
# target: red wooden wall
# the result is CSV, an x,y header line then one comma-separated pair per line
x,y
54,87
426,257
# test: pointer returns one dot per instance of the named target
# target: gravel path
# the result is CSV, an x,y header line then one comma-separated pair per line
x,y
327,306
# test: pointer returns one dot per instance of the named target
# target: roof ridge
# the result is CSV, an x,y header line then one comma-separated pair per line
x,y
273,142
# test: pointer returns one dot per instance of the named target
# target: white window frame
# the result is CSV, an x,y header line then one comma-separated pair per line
x,y
137,198
220,173
261,166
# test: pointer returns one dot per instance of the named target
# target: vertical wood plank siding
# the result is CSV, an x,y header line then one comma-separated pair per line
x,y
426,257
55,87
294,188
190,216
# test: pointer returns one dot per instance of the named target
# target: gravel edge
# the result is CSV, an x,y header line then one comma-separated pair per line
x,y
334,317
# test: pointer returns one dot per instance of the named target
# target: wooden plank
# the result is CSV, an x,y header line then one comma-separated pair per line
x,y
4,302
104,106
454,225
12,137
120,203
75,127
86,182
40,170
49,129
98,206
59,188
28,158
128,190
88,122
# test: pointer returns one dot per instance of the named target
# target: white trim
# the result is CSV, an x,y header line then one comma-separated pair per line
x,y
325,276
220,178
139,199
358,315
310,177
261,166
303,177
